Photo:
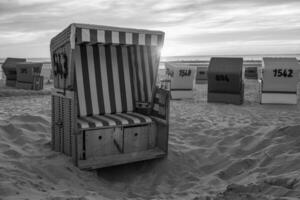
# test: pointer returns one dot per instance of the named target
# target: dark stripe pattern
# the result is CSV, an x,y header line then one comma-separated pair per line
x,y
110,78
85,75
114,78
130,118
97,36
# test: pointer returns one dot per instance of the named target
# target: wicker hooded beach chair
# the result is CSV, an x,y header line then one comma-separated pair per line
x,y
225,80
29,76
9,68
278,84
106,108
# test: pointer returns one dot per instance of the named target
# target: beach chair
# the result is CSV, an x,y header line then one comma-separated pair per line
x,y
182,77
28,76
201,76
251,73
278,84
9,67
106,108
252,68
225,80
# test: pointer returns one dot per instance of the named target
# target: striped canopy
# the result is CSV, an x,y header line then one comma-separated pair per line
x,y
117,37
114,72
86,33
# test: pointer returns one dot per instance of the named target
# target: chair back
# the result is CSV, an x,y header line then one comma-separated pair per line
x,y
182,75
26,71
280,74
9,67
225,75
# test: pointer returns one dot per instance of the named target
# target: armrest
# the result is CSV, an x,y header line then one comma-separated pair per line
x,y
143,108
161,105
62,93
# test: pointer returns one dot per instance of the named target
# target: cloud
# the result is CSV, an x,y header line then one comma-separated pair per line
x,y
191,26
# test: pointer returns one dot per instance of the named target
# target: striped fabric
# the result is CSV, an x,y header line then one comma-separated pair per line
x,y
117,37
120,119
112,78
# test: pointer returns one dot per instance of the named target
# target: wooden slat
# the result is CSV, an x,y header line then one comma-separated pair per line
x,y
121,159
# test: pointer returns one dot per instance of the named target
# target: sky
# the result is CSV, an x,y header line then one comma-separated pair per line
x,y
192,27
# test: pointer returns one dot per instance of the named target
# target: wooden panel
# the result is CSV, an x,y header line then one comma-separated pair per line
x,y
103,142
61,67
161,103
118,159
162,131
136,139
67,116
25,86
11,83
56,119
52,121
152,135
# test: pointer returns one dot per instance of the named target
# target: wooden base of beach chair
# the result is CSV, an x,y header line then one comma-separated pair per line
x,y
118,159
11,83
63,123
225,98
279,98
23,85
114,146
93,148
181,94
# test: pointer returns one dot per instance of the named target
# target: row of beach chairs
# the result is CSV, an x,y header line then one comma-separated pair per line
x,y
278,79
106,106
251,68
23,75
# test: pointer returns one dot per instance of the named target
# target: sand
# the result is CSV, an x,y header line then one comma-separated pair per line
x,y
216,151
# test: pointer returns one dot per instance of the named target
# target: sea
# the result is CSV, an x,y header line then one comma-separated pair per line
x,y
198,58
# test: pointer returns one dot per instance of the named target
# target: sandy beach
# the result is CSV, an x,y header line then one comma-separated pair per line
x,y
216,151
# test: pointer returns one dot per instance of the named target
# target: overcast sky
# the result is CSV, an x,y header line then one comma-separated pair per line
x,y
192,27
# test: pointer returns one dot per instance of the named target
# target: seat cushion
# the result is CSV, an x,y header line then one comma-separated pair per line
x,y
118,119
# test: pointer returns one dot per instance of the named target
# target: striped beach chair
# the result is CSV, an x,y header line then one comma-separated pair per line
x,y
279,81
225,80
106,108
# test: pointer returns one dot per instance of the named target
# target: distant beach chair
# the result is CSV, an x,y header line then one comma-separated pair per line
x,y
28,76
106,108
9,67
182,78
279,81
225,80
201,75
251,73
252,68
